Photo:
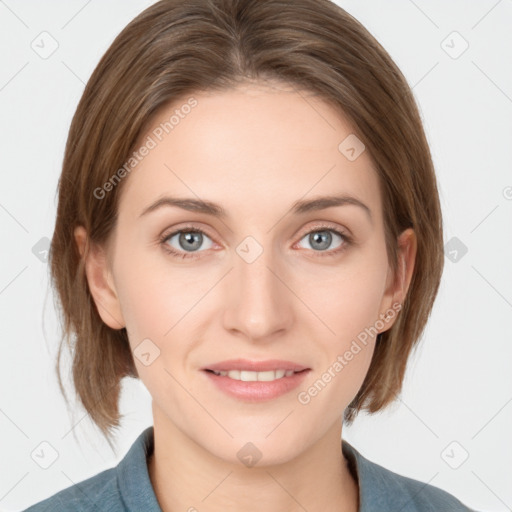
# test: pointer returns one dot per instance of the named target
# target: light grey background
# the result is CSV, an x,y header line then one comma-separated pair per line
x,y
457,398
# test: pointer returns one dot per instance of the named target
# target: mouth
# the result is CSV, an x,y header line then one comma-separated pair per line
x,y
253,381
248,365
253,376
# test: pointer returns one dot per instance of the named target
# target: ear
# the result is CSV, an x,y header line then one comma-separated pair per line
x,y
397,285
100,280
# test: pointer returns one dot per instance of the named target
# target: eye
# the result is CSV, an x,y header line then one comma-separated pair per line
x,y
188,242
320,239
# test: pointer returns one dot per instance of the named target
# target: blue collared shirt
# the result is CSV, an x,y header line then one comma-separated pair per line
x,y
127,487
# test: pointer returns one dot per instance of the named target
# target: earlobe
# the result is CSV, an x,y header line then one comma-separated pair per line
x,y
99,279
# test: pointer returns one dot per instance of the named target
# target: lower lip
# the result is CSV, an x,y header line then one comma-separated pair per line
x,y
257,391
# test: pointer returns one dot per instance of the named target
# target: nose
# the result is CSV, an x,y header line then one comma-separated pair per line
x,y
259,303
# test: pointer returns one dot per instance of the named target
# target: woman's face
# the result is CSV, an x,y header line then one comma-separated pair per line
x,y
257,284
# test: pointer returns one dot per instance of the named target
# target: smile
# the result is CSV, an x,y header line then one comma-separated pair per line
x,y
249,376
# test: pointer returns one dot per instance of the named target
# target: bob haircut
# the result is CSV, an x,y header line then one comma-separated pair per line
x,y
174,49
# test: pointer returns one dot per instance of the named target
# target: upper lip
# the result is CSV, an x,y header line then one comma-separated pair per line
x,y
255,366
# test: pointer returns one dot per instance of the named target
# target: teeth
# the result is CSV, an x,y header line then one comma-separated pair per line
x,y
247,376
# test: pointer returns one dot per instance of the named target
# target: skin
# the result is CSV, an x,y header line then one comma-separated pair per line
x,y
254,150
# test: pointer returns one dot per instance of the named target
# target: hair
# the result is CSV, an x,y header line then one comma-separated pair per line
x,y
176,48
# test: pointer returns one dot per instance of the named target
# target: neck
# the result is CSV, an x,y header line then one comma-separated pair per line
x,y
185,476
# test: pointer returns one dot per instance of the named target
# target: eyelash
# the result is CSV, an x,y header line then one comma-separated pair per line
x,y
347,241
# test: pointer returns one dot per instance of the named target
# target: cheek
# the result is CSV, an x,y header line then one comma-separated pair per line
x,y
161,306
347,300
153,296
147,305
346,304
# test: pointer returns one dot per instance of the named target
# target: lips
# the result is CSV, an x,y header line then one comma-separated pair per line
x,y
255,366
255,391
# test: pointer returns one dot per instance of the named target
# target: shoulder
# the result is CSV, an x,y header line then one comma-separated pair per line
x,y
419,496
124,487
98,493
383,489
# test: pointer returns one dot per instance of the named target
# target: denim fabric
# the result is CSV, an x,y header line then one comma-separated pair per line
x,y
127,487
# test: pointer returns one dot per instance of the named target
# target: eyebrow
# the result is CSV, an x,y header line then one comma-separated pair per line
x,y
214,209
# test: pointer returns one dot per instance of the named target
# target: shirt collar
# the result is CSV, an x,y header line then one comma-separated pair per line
x,y
379,489
133,478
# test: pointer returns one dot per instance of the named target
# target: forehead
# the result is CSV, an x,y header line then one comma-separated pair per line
x,y
249,148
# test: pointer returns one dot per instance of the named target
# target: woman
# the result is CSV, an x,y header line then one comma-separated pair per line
x,y
249,222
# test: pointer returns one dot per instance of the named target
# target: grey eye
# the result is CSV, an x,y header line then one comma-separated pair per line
x,y
189,241
321,240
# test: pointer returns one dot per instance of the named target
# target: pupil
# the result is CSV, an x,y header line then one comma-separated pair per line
x,y
189,238
318,236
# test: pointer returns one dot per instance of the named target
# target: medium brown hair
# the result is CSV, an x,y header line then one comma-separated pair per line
x,y
176,48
